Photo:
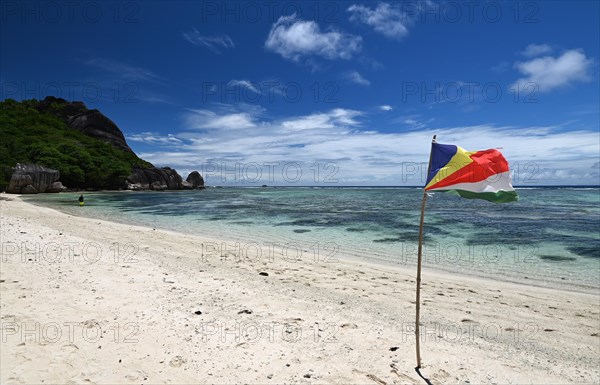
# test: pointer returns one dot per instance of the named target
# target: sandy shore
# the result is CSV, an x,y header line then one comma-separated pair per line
x,y
93,302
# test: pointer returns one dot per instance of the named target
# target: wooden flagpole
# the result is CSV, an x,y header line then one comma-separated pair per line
x,y
420,257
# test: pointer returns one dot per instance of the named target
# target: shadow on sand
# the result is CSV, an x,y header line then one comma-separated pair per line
x,y
418,370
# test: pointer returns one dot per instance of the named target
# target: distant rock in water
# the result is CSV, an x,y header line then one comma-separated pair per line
x,y
32,179
160,179
164,178
56,188
195,180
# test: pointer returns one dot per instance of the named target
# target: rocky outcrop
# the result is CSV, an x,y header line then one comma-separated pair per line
x,y
91,122
29,189
96,125
195,180
56,188
31,179
154,179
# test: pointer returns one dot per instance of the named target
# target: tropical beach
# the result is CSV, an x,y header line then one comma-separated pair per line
x,y
100,302
299,192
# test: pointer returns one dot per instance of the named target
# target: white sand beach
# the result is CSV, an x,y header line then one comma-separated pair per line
x,y
92,302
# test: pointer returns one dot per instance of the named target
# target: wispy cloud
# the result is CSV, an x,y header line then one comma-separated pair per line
x,y
293,38
123,82
336,118
214,43
224,117
155,138
153,97
533,50
548,72
209,119
386,107
246,84
122,70
414,124
357,78
385,19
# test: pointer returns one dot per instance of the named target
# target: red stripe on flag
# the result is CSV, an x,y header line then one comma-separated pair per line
x,y
485,164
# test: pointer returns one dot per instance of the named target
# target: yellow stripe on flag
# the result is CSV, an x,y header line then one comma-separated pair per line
x,y
461,159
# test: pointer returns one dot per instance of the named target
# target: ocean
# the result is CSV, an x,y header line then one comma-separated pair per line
x,y
550,237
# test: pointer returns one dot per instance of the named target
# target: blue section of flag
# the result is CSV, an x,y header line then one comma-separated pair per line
x,y
440,156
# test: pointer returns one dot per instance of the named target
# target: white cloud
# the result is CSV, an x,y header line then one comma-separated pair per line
x,y
533,50
385,19
414,122
214,43
357,78
244,84
386,107
549,72
199,119
338,117
154,138
293,38
236,135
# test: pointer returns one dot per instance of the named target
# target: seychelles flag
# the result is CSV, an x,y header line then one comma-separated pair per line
x,y
473,175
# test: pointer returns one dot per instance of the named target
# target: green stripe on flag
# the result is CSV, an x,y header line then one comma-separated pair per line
x,y
495,197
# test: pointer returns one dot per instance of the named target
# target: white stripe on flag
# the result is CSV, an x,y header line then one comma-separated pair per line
x,y
495,183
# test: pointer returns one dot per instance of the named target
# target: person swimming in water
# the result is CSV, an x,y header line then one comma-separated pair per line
x,y
81,203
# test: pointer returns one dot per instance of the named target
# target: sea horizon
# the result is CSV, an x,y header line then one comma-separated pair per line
x,y
519,187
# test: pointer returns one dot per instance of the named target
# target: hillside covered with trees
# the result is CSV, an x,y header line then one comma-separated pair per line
x,y
46,133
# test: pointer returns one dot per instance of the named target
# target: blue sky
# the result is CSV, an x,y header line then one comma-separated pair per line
x,y
347,93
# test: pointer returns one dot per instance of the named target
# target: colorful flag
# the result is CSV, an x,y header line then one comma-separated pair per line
x,y
473,175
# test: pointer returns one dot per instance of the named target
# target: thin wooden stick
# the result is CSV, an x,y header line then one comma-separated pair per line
x,y
420,257
420,253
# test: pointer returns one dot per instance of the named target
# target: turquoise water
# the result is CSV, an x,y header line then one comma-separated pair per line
x,y
550,237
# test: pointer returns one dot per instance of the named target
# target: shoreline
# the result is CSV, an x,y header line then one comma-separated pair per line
x,y
350,320
436,269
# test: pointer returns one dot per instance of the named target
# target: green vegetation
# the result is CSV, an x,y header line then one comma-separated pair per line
x,y
28,136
